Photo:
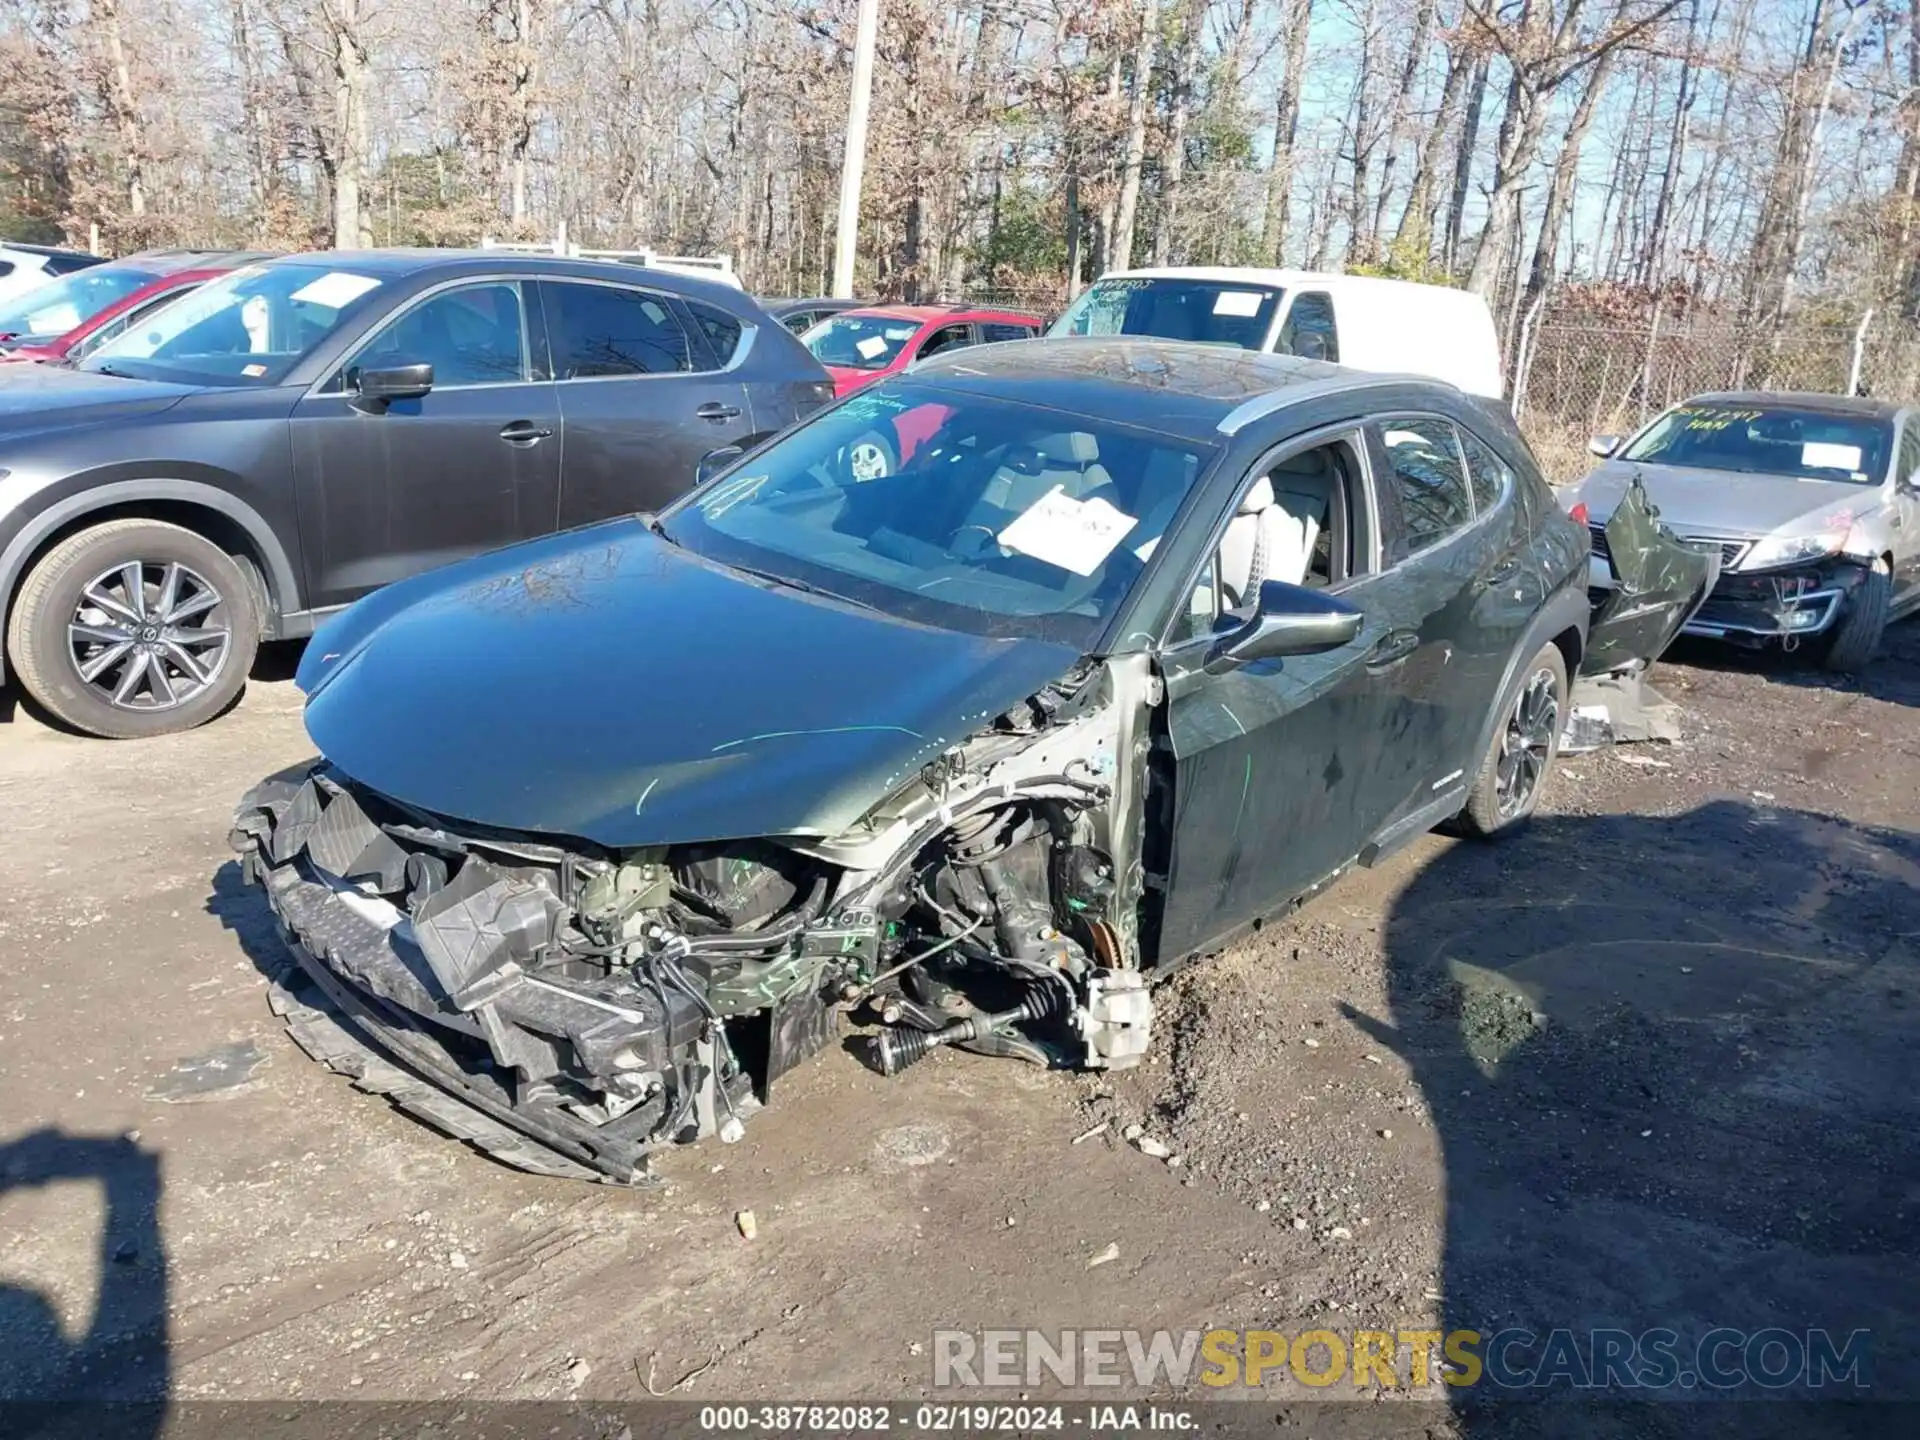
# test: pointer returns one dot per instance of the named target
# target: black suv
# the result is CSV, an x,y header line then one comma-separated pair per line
x,y
1140,643
300,432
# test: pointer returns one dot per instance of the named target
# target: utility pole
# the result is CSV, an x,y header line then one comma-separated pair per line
x,y
847,239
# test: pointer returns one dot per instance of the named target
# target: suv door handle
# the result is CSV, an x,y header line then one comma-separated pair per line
x,y
523,432
1501,573
714,410
1391,648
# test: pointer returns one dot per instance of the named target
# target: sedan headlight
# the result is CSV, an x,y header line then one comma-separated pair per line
x,y
1778,550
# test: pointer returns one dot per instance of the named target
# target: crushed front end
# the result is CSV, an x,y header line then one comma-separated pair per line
x,y
607,1004
1789,604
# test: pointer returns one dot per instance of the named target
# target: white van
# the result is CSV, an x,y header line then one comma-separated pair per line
x,y
1356,320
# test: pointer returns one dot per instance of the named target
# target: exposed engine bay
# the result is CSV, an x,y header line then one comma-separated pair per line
x,y
610,1004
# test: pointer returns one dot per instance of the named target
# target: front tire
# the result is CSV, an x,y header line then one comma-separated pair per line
x,y
1856,639
134,628
1526,742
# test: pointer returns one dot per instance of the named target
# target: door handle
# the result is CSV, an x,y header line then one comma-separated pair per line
x,y
1500,574
523,432
1391,648
714,410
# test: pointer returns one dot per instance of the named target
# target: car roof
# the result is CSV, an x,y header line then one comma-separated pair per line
x,y
1189,389
401,263
172,262
50,252
1864,407
1279,279
927,314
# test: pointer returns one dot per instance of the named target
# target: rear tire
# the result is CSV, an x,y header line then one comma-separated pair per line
x,y
1856,639
1526,742
134,628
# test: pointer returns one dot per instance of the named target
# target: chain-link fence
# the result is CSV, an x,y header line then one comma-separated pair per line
x,y
1571,380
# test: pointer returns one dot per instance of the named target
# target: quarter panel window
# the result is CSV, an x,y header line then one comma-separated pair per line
x,y
721,329
1423,461
1490,475
1309,330
599,330
472,335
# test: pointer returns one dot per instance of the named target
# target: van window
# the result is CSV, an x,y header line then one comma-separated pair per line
x,y
1310,330
1214,312
1428,475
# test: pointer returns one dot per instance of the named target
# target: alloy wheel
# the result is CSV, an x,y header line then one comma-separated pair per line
x,y
1526,745
149,635
867,461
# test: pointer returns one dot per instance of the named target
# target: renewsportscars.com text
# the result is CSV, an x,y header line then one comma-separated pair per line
x,y
1725,1358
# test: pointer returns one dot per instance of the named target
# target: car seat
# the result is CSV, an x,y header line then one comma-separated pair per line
x,y
1070,460
1273,532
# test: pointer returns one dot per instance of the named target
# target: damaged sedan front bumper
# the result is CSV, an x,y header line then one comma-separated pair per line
x,y
1790,604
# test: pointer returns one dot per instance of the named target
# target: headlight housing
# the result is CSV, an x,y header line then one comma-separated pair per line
x,y
1776,550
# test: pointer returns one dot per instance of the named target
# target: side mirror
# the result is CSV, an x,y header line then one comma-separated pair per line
x,y
1604,445
1311,346
398,382
714,461
1288,620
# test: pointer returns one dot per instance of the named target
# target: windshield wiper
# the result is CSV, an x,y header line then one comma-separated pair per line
x,y
109,370
790,583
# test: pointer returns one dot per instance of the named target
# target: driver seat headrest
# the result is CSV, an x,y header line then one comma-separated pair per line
x,y
1070,447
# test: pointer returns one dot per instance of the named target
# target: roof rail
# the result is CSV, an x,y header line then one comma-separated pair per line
x,y
713,267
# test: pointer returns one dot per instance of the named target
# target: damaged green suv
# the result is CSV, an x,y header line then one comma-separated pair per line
x,y
1140,643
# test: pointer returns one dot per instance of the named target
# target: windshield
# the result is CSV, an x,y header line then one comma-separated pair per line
x,y
1767,440
54,308
1213,312
976,514
249,327
859,342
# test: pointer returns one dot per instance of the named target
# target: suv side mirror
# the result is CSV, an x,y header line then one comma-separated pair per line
x,y
1604,445
714,461
398,382
1288,620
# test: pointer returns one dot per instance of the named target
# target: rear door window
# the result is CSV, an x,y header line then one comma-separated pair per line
x,y
948,337
990,333
1309,330
605,331
1428,476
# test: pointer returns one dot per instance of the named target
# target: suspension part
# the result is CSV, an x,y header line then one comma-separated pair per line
x,y
895,1050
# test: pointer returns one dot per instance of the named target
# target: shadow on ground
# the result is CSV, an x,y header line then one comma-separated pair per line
x,y
122,1353
1674,1065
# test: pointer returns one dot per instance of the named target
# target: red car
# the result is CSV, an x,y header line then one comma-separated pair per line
x,y
860,346
67,319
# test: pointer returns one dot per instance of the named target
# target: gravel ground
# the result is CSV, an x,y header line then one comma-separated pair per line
x,y
1652,1063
